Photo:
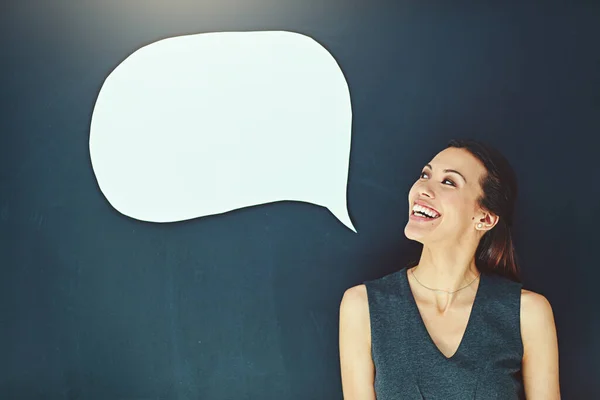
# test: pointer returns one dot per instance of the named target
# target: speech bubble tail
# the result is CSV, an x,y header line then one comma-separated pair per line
x,y
344,218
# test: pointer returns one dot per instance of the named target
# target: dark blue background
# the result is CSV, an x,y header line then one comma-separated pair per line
x,y
244,305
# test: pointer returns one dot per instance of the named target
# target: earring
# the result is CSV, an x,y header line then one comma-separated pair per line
x,y
479,225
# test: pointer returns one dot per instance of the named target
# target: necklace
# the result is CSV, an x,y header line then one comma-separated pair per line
x,y
439,290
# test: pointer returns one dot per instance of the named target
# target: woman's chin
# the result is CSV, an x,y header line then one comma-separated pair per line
x,y
414,234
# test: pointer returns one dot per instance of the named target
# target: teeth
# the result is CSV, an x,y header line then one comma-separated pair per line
x,y
424,210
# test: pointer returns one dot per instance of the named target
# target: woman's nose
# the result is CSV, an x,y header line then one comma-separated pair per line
x,y
425,189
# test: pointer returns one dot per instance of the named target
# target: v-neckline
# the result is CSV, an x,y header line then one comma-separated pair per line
x,y
424,327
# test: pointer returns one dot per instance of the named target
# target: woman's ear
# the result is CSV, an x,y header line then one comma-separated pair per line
x,y
489,220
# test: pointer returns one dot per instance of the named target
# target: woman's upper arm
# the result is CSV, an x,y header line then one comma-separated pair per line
x,y
540,348
357,369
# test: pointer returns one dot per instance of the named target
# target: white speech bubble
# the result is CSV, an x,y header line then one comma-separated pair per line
x,y
204,124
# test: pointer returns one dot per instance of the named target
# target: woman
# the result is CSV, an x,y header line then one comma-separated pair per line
x,y
458,324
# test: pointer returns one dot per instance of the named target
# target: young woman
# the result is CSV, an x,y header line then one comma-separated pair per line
x,y
457,325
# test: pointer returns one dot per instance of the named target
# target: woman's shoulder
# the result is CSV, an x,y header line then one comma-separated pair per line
x,y
359,297
354,310
355,296
538,334
534,305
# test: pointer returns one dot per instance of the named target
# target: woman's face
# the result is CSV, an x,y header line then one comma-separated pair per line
x,y
454,196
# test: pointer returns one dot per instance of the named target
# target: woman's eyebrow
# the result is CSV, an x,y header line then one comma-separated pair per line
x,y
450,171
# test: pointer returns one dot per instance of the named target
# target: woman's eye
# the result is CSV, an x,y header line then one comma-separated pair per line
x,y
449,181
452,183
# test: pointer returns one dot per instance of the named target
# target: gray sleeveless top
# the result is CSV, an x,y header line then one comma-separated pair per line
x,y
408,364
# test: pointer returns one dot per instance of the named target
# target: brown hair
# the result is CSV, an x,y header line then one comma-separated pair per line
x,y
495,252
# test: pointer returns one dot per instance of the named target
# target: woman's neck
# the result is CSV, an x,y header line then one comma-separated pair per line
x,y
445,270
